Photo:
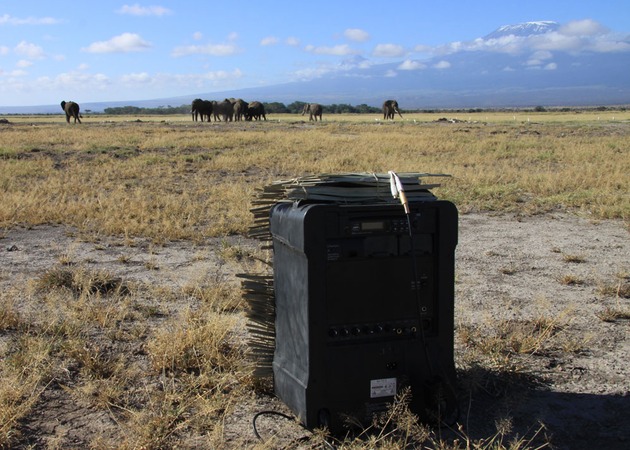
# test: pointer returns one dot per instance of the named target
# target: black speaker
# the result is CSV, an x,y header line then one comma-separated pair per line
x,y
364,300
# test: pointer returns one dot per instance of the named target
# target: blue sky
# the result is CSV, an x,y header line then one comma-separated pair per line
x,y
116,50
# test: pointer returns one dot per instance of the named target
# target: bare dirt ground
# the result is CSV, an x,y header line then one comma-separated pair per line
x,y
559,267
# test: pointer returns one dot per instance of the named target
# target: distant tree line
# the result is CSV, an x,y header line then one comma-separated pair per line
x,y
271,107
160,110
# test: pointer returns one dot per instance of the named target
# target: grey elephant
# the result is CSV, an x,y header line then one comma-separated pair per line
x,y
314,110
200,109
256,110
72,110
223,110
389,108
240,109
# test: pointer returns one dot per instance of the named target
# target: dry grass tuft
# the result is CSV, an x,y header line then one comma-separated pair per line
x,y
501,342
81,281
196,342
620,289
572,280
573,258
613,314
9,312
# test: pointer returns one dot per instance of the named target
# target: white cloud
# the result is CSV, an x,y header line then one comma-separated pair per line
x,y
123,43
269,40
6,19
551,66
203,80
135,78
337,50
539,57
410,64
30,51
388,51
442,65
208,49
23,63
293,41
4,50
420,48
556,41
352,62
610,45
17,73
585,27
137,10
310,73
356,35
197,36
391,74
73,81
542,55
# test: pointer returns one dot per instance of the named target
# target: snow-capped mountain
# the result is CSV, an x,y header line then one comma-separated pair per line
x,y
524,29
529,64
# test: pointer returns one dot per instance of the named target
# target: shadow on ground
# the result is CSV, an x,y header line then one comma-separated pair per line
x,y
522,403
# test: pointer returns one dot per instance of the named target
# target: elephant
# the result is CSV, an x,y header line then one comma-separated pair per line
x,y
314,110
240,109
256,110
223,110
72,110
201,108
389,108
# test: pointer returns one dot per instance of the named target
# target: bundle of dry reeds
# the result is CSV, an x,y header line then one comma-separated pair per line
x,y
346,188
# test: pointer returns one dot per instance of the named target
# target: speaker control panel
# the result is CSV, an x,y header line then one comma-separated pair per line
x,y
386,330
369,226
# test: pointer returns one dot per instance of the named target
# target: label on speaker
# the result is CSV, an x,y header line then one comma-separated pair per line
x,y
385,387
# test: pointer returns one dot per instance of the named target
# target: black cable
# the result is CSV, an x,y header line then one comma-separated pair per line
x,y
422,332
416,284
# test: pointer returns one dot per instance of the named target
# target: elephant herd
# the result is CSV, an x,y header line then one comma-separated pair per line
x,y
237,110
227,110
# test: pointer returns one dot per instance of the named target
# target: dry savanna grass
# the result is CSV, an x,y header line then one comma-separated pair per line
x,y
178,180
166,364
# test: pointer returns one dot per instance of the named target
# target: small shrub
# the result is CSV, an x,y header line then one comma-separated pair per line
x,y
571,280
609,314
573,258
620,289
